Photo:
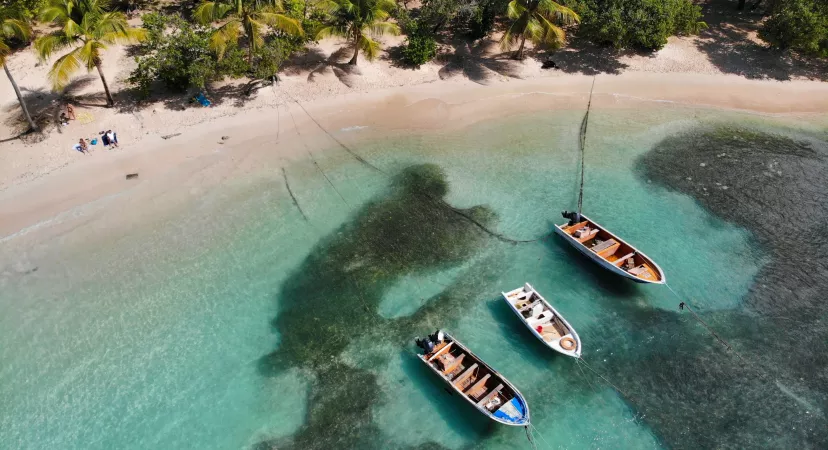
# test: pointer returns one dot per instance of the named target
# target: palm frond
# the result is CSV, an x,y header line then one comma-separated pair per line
x,y
369,47
511,36
47,45
553,35
61,72
224,35
5,51
17,28
281,22
332,31
208,12
382,28
552,10
90,53
514,10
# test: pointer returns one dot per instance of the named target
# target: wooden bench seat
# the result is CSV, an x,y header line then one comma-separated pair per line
x,y
490,395
466,378
479,388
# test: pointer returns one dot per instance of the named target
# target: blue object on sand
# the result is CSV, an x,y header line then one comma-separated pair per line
x,y
202,99
94,142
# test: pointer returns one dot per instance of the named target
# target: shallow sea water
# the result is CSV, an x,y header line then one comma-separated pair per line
x,y
242,321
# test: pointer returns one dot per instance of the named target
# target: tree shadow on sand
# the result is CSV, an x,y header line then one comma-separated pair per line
x,y
316,63
583,57
45,106
478,61
732,45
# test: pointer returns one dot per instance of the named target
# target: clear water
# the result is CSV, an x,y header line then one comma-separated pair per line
x,y
157,335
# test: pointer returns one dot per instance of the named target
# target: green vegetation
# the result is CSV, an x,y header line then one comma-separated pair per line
x,y
642,24
357,20
87,27
421,45
535,19
801,25
14,26
249,17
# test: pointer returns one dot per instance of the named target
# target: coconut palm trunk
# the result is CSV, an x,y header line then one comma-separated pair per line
x,y
519,52
32,126
109,101
353,60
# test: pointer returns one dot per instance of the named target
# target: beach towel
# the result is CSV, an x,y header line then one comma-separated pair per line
x,y
105,139
77,147
202,99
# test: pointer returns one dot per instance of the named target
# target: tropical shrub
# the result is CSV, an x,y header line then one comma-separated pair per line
x,y
801,25
179,58
642,24
419,49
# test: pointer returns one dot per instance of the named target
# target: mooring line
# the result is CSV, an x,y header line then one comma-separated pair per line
x,y
293,197
582,142
684,305
440,201
604,378
529,437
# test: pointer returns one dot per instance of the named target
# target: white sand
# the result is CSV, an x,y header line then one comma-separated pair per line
x,y
438,94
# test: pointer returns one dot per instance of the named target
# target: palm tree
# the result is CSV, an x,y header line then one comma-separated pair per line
x,y
534,19
87,28
13,25
354,19
252,17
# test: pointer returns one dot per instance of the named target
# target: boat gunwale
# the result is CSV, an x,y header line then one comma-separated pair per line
x,y
594,256
499,376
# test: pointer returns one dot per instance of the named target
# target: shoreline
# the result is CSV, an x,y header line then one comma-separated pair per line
x,y
434,106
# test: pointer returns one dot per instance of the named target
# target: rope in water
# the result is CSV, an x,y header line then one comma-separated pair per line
x,y
529,437
582,142
439,201
684,305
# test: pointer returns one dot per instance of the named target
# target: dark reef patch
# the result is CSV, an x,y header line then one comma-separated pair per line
x,y
696,395
331,300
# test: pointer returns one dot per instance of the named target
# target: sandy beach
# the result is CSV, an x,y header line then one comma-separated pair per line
x,y
725,67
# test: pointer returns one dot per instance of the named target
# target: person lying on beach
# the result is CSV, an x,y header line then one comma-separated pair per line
x,y
63,119
84,145
79,147
70,111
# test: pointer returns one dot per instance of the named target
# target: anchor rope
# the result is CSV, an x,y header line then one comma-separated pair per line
x,y
529,437
684,305
419,191
582,143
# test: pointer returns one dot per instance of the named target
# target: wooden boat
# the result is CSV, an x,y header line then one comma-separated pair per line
x,y
610,251
471,378
544,321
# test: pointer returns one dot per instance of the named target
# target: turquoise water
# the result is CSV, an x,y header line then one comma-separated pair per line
x,y
236,322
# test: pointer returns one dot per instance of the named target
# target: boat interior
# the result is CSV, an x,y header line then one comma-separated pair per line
x,y
536,314
468,375
612,250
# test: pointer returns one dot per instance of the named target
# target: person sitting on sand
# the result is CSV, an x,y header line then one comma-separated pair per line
x,y
63,119
70,111
112,138
84,145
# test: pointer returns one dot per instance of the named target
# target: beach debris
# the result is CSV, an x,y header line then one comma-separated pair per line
x,y
168,136
131,176
703,165
224,138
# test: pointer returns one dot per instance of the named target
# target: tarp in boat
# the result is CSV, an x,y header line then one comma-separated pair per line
x,y
511,412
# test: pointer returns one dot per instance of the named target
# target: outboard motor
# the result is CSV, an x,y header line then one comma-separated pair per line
x,y
574,217
425,344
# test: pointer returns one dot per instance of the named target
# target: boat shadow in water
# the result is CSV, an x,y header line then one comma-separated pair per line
x,y
520,338
458,414
584,270
330,304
